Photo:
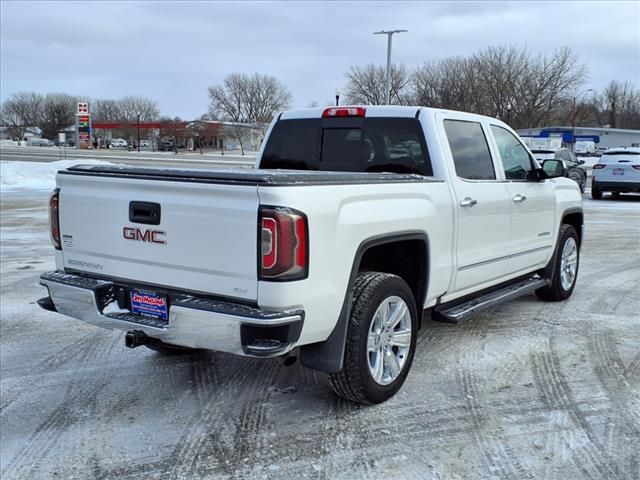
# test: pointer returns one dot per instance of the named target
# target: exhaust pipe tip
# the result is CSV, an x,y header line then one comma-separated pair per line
x,y
290,360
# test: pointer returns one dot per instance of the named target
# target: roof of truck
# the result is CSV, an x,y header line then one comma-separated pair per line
x,y
374,111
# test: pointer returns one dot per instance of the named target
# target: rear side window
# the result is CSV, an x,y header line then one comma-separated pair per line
x,y
470,150
394,145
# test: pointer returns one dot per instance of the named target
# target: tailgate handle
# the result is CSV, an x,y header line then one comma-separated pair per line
x,y
144,212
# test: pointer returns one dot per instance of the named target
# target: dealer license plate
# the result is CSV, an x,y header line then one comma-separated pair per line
x,y
618,171
149,303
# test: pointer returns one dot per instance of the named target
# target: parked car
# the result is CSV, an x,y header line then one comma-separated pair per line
x,y
118,143
166,144
617,171
144,144
40,142
330,250
574,167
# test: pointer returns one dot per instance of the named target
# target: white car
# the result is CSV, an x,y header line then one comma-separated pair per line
x,y
355,221
617,171
119,143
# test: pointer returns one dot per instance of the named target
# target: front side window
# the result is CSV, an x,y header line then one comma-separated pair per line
x,y
516,161
470,150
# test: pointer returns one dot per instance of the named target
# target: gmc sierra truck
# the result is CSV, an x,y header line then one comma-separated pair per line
x,y
354,221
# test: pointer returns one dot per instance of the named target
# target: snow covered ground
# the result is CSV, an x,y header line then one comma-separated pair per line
x,y
529,390
35,175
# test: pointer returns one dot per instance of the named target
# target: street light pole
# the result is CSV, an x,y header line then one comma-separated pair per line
x,y
509,113
138,132
574,113
337,97
389,34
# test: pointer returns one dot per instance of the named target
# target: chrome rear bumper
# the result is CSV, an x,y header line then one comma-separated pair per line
x,y
195,322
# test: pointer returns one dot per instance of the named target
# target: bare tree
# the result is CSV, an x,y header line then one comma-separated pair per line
x,y
507,82
621,105
21,111
106,111
59,110
132,106
248,99
366,85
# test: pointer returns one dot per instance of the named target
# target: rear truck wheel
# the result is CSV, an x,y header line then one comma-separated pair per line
x,y
381,339
565,268
596,193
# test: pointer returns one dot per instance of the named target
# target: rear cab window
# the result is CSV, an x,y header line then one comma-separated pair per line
x,y
352,144
470,150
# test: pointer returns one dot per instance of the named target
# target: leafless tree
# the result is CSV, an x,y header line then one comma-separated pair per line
x,y
248,98
366,85
132,106
106,111
507,82
58,112
21,111
621,105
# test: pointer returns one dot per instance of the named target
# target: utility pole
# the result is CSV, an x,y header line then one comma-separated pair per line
x,y
389,34
138,132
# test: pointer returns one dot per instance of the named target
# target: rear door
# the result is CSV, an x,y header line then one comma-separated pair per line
x,y
483,204
203,237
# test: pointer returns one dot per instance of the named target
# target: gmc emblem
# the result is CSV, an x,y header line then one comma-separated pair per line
x,y
151,236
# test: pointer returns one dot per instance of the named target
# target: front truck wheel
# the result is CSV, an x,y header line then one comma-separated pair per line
x,y
566,261
381,339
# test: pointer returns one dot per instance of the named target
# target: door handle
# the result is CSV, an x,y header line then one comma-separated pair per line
x,y
519,198
468,202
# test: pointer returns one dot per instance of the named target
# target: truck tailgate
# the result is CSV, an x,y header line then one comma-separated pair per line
x,y
205,239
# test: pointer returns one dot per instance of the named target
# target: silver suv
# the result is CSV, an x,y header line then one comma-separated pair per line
x,y
617,171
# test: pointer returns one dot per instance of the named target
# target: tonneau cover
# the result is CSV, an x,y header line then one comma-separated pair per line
x,y
244,176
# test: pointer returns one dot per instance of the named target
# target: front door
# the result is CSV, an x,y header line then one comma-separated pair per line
x,y
483,204
533,204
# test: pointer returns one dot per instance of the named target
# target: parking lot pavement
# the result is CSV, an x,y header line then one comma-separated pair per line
x,y
529,390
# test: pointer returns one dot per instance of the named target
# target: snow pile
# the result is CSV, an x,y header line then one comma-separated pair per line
x,y
36,175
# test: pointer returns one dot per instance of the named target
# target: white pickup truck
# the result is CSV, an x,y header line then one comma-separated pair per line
x,y
354,221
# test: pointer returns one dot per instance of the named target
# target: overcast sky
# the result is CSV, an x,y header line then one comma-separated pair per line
x,y
171,51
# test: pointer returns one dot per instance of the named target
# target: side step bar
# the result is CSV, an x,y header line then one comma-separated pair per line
x,y
457,311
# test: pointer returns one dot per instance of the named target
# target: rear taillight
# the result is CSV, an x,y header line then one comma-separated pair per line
x,y
283,252
54,218
343,112
598,166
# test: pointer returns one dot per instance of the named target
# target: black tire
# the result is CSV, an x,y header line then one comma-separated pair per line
x,y
555,291
596,193
355,381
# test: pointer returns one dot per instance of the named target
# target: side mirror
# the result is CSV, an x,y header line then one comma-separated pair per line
x,y
553,168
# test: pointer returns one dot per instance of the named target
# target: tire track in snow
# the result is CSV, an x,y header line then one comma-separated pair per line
x,y
81,395
202,435
554,391
498,457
